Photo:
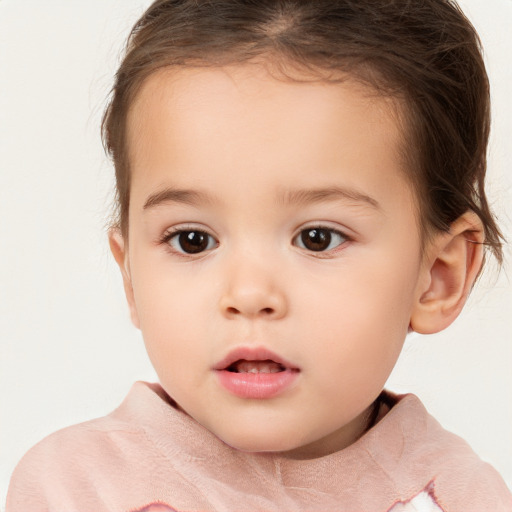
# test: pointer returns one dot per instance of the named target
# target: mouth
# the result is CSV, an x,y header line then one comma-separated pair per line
x,y
256,373
244,366
254,360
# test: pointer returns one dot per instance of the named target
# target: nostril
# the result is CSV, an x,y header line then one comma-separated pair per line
x,y
264,311
252,303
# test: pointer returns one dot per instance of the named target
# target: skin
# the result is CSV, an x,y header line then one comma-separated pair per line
x,y
263,160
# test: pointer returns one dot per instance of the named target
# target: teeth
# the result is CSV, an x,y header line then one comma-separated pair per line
x,y
258,367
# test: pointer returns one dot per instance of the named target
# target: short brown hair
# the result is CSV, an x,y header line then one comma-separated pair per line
x,y
425,52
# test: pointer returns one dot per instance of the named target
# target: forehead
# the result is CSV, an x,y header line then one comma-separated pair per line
x,y
252,87
239,121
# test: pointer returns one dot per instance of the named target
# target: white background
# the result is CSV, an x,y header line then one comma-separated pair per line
x,y
67,350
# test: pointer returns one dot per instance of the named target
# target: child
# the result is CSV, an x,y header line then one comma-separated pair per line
x,y
300,184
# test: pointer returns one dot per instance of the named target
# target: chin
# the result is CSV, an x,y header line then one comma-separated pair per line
x,y
252,443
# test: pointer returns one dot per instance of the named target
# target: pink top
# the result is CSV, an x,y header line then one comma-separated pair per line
x,y
147,456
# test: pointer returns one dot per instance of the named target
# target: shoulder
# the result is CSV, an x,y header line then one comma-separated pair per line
x,y
71,458
77,461
80,443
122,461
442,461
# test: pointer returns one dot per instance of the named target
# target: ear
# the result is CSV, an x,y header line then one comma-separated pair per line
x,y
451,265
120,253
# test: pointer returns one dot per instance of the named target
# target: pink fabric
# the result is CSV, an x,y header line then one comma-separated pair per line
x,y
147,456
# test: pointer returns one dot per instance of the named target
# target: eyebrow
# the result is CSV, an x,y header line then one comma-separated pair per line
x,y
174,195
294,197
309,196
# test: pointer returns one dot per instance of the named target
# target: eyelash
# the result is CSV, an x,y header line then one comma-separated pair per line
x,y
320,231
176,233
325,234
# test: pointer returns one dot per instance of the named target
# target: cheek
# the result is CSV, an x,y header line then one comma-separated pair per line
x,y
375,289
167,309
363,315
164,293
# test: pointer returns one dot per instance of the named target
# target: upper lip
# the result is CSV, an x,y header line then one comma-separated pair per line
x,y
252,354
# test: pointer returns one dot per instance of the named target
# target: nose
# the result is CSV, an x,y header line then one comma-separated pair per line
x,y
252,290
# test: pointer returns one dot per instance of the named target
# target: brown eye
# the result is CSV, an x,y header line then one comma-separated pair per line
x,y
191,242
319,239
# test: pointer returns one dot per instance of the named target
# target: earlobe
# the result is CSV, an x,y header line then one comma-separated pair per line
x,y
451,266
119,251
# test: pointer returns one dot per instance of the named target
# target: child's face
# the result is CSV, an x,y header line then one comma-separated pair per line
x,y
270,216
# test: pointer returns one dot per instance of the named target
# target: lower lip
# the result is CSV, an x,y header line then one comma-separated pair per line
x,y
257,385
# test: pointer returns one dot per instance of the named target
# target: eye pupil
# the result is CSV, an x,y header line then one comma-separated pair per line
x,y
193,242
316,239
